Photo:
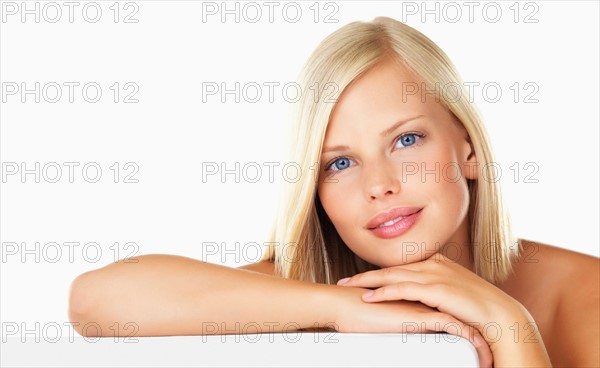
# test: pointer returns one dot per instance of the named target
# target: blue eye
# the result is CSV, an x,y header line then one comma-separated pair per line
x,y
408,139
342,162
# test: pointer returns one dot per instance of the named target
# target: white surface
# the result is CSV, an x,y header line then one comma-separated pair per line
x,y
252,350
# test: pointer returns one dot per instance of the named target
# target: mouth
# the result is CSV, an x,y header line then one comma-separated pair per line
x,y
396,226
391,222
392,217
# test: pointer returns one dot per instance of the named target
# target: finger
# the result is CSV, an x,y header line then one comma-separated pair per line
x,y
429,294
378,278
484,352
447,323
425,265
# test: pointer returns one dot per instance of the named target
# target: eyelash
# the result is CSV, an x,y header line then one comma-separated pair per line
x,y
421,136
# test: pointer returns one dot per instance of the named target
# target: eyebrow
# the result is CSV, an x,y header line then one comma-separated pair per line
x,y
386,132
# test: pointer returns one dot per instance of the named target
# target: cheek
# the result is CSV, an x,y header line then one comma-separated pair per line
x,y
341,202
332,197
445,184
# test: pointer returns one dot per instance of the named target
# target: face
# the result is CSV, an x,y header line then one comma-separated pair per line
x,y
423,163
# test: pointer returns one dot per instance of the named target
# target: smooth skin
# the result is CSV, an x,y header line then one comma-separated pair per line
x,y
168,295
430,263
554,289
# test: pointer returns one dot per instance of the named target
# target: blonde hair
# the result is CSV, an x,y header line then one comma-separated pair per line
x,y
304,245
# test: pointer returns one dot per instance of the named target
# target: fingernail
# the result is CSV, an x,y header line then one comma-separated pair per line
x,y
368,295
476,341
343,281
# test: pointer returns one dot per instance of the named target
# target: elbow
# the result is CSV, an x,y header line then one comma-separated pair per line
x,y
81,304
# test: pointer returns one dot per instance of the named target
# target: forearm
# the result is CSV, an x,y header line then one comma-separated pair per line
x,y
172,295
520,343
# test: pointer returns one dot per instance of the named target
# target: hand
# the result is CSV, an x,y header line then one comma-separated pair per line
x,y
440,283
352,314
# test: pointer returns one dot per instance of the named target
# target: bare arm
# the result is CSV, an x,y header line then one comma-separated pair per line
x,y
576,334
167,295
164,295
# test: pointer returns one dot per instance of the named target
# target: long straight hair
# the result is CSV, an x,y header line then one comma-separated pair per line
x,y
304,244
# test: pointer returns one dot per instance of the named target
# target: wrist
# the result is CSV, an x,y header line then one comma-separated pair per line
x,y
516,339
333,300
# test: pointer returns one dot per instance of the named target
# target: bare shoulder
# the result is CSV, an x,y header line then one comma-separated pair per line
x,y
265,267
558,254
571,274
570,282
549,262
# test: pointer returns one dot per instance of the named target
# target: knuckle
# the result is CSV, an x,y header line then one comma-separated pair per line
x,y
387,272
444,318
357,278
382,292
399,287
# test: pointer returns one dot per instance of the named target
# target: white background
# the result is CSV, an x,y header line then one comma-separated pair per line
x,y
170,52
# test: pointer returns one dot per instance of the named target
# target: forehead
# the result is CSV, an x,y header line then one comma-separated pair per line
x,y
389,75
385,94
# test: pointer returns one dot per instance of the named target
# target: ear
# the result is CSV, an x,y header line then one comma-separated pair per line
x,y
470,166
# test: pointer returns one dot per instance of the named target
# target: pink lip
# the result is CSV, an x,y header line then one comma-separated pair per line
x,y
390,215
398,228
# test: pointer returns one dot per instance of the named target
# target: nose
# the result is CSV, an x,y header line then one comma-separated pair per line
x,y
381,180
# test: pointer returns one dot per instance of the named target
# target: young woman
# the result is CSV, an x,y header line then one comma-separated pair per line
x,y
395,224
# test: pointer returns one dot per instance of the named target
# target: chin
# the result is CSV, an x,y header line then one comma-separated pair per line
x,y
400,260
398,263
